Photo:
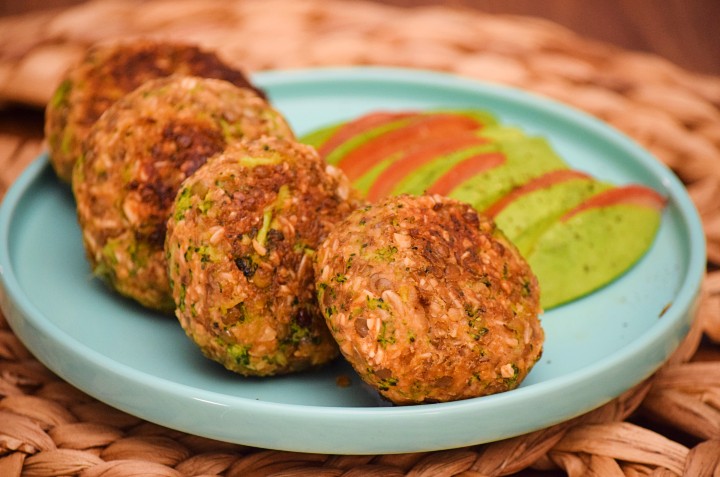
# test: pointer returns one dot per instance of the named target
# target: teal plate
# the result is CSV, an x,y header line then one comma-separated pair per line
x,y
142,363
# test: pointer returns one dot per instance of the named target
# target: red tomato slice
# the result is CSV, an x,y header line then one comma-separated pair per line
x,y
464,170
630,194
359,126
421,128
419,155
542,182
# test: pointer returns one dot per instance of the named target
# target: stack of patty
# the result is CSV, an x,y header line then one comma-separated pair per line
x,y
194,196
133,161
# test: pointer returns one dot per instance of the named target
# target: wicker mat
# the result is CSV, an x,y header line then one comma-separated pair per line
x,y
668,425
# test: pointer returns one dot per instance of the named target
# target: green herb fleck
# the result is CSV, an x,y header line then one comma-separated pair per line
x,y
298,333
183,204
60,97
527,288
511,381
386,335
476,334
276,205
349,262
181,298
205,206
239,352
373,303
387,254
386,383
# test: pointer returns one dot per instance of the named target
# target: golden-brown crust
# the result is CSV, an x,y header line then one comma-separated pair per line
x,y
134,160
240,244
108,72
428,301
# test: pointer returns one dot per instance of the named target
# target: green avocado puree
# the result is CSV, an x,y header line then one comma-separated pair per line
x,y
592,248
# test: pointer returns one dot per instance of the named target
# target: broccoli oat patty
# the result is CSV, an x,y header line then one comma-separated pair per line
x,y
428,301
239,248
105,74
134,159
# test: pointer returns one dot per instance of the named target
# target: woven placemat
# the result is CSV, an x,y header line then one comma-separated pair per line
x,y
667,425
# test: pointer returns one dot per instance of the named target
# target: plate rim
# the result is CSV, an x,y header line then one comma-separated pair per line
x,y
14,301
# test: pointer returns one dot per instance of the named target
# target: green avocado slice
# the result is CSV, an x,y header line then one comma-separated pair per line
x,y
318,138
422,172
578,233
419,179
528,215
527,159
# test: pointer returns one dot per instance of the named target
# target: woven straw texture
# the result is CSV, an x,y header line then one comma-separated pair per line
x,y
668,425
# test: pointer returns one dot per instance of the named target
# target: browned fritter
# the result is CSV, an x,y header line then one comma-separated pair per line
x,y
134,159
108,72
429,301
239,247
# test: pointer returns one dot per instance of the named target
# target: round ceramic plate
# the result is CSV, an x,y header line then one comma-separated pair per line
x,y
141,362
